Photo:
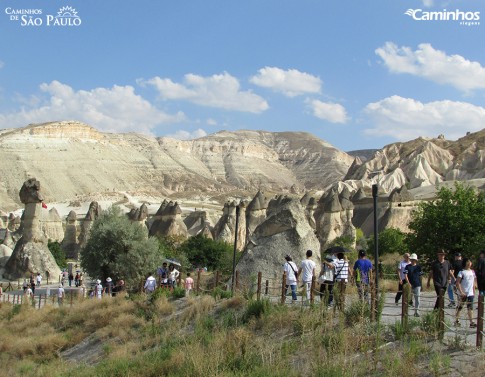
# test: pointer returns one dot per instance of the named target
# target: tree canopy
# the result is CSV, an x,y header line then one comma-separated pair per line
x,y
391,240
455,222
120,249
205,252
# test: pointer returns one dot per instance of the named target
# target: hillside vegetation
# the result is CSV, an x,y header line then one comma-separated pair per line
x,y
205,336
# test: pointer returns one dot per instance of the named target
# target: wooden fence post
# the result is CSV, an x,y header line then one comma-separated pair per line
x,y
258,291
40,299
312,289
480,321
266,288
198,281
441,314
405,309
283,288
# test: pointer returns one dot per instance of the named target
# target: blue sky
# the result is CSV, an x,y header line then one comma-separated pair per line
x,y
356,73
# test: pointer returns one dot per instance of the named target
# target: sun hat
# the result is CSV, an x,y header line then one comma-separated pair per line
x,y
108,279
413,256
98,281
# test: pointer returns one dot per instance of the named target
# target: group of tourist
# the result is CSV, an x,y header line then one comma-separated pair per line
x,y
168,276
456,277
335,271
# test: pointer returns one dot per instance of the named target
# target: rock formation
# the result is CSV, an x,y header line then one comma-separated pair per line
x,y
51,225
69,242
333,217
423,162
68,151
308,202
169,222
13,222
197,222
285,231
255,212
31,254
93,213
140,216
225,228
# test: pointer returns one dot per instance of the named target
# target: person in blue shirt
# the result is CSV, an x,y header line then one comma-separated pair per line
x,y
362,273
413,274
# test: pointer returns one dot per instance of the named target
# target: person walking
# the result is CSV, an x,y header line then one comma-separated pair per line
x,y
60,295
307,272
440,273
109,286
188,284
150,284
291,272
326,280
402,279
98,289
173,275
362,272
342,274
412,275
456,267
466,283
38,279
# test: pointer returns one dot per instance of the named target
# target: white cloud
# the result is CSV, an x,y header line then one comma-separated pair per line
x,y
406,118
2,64
428,3
186,135
211,122
219,91
290,82
117,109
332,112
433,65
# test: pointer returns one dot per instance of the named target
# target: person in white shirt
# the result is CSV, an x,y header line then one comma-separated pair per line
x,y
39,279
466,283
98,289
402,278
173,274
60,295
291,271
307,271
150,284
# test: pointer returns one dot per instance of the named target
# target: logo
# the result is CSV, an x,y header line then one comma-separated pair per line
x,y
66,17
464,18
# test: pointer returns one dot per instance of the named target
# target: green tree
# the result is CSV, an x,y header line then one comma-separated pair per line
x,y
391,240
57,252
120,249
203,251
455,222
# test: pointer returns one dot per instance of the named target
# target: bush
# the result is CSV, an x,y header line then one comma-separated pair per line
x,y
256,309
57,252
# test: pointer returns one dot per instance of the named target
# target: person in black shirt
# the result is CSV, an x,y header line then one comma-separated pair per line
x,y
457,266
440,273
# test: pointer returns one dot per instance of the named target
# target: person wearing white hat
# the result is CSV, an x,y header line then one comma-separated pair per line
x,y
60,295
413,274
109,286
98,289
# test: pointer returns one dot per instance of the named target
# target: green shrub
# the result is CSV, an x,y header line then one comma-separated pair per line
x,y
256,309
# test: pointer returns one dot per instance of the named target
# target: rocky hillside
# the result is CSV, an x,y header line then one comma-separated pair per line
x,y
72,158
422,162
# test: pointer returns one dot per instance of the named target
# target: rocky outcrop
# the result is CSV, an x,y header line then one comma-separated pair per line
x,y
52,225
309,203
68,152
422,162
69,242
13,222
255,212
140,216
169,222
93,213
284,231
333,217
197,223
31,254
225,228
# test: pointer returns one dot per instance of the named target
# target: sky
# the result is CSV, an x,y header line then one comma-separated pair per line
x,y
358,74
